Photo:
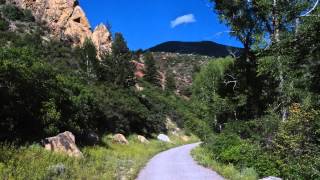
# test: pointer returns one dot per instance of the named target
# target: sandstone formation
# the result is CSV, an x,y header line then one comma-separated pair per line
x,y
78,27
102,39
120,139
140,68
63,143
67,21
142,139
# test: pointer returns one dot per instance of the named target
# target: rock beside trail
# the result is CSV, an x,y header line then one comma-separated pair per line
x,y
92,138
120,139
142,139
185,138
164,138
271,178
63,143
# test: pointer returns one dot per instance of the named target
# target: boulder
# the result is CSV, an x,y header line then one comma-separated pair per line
x,y
92,138
120,139
63,143
164,138
271,178
185,138
56,170
142,139
139,88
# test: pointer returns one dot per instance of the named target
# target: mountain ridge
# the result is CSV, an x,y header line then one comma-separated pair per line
x,y
205,48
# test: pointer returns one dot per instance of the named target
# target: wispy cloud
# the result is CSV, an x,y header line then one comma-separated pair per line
x,y
185,19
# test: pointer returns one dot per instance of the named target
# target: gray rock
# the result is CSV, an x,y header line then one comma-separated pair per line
x,y
164,138
56,170
271,178
92,138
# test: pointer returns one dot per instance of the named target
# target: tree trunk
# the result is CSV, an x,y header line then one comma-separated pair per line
x,y
276,36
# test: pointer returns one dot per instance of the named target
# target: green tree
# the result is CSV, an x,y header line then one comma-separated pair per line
x,y
89,62
151,72
4,25
207,91
170,83
117,67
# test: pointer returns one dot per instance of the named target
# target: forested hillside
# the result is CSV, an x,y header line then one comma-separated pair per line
x,y
256,112
263,106
49,85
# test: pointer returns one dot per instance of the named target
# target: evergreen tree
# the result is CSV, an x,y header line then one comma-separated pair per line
x,y
89,62
170,81
117,67
151,73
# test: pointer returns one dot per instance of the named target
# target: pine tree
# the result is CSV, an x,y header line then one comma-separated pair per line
x,y
117,67
170,81
88,55
151,73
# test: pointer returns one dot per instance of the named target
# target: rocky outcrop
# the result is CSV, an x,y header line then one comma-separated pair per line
x,y
120,139
78,27
67,21
102,39
139,69
63,143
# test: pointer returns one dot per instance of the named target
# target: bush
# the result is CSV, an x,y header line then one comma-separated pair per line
x,y
204,157
16,14
259,130
28,16
12,12
4,25
228,148
297,144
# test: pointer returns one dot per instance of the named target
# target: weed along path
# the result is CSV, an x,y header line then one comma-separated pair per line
x,y
176,164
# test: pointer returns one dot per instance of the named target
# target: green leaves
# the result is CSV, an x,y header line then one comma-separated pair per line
x,y
151,72
117,68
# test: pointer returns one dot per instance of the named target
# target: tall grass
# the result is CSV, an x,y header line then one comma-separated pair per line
x,y
203,157
108,161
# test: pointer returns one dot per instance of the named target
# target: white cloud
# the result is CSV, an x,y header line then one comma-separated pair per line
x,y
185,19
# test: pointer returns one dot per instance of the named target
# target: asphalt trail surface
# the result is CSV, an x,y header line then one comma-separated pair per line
x,y
176,164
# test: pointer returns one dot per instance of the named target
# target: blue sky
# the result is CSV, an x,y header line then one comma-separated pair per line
x,y
145,23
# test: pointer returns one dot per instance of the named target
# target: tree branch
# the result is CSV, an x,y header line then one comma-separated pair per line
x,y
312,9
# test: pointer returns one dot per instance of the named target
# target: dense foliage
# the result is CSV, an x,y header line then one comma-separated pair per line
x,y
263,106
151,71
47,87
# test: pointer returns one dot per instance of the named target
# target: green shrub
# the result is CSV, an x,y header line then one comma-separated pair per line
x,y
4,25
228,148
257,130
12,12
28,16
16,14
229,171
297,144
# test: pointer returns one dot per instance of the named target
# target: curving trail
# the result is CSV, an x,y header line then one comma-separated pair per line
x,y
176,164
